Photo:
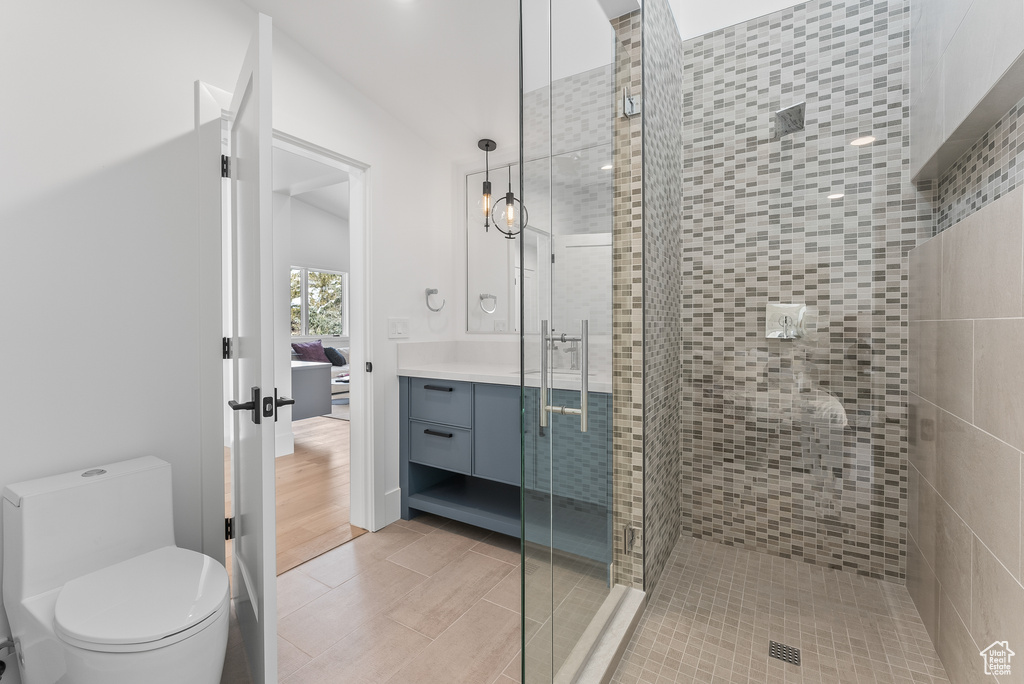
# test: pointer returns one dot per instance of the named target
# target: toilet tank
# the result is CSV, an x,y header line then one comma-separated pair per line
x,y
61,527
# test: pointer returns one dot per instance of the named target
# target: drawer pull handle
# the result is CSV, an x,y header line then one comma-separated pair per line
x,y
435,433
438,388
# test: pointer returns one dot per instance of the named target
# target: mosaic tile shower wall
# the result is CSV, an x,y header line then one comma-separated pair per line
x,y
662,171
798,447
627,313
992,168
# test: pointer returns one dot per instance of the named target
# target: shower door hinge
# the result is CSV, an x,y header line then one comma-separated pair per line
x,y
628,538
225,347
225,166
229,529
630,104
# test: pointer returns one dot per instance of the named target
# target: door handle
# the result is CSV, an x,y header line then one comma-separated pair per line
x,y
281,401
252,405
584,373
544,374
584,409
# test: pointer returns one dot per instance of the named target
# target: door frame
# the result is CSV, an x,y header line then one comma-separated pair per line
x,y
360,319
211,111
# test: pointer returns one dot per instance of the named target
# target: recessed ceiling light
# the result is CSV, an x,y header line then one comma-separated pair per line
x,y
606,167
866,140
836,195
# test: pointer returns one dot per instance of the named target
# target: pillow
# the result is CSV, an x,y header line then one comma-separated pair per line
x,y
310,351
335,356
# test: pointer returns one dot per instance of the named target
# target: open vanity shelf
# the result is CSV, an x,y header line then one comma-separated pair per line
x,y
460,452
460,459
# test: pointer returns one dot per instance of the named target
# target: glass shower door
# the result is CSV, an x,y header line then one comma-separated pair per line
x,y
568,107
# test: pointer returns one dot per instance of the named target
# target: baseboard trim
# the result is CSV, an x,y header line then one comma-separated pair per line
x,y
284,443
392,506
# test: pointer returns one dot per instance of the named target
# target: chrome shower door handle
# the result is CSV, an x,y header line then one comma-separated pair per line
x,y
543,373
584,373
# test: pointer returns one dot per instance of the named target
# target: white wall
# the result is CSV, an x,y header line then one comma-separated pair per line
x,y
319,239
98,215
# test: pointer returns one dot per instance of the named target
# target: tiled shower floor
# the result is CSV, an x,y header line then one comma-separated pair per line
x,y
716,607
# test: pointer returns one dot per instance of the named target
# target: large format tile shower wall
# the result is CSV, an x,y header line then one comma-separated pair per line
x,y
798,447
964,568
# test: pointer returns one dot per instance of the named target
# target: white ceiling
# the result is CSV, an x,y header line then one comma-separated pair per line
x,y
322,186
697,18
449,69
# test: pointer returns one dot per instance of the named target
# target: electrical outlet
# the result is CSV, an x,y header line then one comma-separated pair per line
x,y
398,328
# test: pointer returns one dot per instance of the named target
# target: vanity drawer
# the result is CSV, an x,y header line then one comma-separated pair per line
x,y
441,446
441,401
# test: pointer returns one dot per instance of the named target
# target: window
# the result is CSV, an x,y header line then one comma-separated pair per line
x,y
319,301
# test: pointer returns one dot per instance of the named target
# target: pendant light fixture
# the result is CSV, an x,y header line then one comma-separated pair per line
x,y
505,213
487,146
512,218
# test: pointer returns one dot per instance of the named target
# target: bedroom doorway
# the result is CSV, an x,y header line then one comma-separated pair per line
x,y
320,258
312,224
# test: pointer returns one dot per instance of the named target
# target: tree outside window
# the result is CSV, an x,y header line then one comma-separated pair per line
x,y
318,302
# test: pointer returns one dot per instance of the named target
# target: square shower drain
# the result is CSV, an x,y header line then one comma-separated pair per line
x,y
783,652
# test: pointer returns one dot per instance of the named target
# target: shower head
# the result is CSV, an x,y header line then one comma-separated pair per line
x,y
789,120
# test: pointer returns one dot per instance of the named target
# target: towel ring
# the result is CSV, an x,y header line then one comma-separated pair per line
x,y
484,298
433,291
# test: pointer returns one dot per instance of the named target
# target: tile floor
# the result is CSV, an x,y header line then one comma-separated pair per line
x,y
424,601
716,608
428,600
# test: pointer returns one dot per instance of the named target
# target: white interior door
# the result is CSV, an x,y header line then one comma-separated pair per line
x,y
254,550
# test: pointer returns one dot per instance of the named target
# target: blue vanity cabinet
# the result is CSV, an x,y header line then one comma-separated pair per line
x,y
496,442
460,452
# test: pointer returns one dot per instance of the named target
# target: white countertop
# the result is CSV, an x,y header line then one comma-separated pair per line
x,y
499,374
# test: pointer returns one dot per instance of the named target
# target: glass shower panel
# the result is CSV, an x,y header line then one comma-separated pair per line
x,y
568,108
535,247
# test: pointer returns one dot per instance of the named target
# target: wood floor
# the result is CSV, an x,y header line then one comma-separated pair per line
x,y
312,493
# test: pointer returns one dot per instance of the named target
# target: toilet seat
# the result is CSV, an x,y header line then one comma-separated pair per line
x,y
146,602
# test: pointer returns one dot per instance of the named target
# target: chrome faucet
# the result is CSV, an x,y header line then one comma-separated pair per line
x,y
573,349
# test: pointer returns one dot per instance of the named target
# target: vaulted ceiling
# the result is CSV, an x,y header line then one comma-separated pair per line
x,y
448,69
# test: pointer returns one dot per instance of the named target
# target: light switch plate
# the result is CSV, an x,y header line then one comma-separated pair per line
x,y
398,328
784,321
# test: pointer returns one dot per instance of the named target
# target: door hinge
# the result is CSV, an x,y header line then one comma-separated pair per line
x,y
552,258
225,166
628,538
369,367
225,347
229,529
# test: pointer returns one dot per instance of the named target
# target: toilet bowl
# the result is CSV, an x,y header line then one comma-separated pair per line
x,y
95,589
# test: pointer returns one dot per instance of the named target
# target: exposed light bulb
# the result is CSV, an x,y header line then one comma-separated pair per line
x,y
866,140
510,215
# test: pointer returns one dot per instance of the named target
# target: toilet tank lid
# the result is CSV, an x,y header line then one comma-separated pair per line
x,y
17,492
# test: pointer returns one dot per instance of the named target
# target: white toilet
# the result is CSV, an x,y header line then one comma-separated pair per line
x,y
95,589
